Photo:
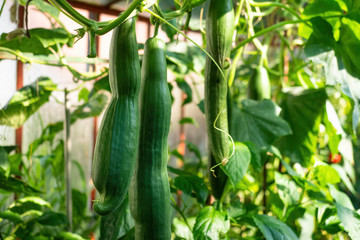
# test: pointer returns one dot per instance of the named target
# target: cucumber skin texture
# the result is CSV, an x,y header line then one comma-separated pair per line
x,y
117,140
150,191
219,32
259,87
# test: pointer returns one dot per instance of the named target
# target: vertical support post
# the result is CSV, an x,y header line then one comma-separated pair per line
x,y
67,149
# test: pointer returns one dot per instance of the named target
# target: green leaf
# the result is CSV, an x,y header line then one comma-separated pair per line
x,y
53,219
84,94
170,32
11,216
210,224
39,42
4,162
201,106
70,236
302,109
92,108
256,162
117,223
350,220
79,204
101,84
193,148
238,164
326,174
192,185
344,177
15,185
340,198
184,86
287,189
188,120
182,230
274,229
29,203
257,122
44,7
26,101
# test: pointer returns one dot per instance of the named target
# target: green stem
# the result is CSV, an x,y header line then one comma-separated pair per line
x,y
92,51
2,7
123,16
175,206
58,7
272,4
75,14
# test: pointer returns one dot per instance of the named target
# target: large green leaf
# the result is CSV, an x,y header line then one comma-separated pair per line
x,y
350,220
26,101
274,229
14,185
257,122
39,42
326,175
51,218
238,164
302,109
210,224
25,204
339,58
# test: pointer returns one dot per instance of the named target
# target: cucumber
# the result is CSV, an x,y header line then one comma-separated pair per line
x,y
117,141
219,32
150,191
259,87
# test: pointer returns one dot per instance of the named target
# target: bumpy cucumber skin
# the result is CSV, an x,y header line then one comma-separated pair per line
x,y
150,191
259,87
116,144
219,32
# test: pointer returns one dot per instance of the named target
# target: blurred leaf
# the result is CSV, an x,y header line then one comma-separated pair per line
x,y
257,122
193,148
84,94
117,223
92,108
79,205
344,177
201,106
39,42
26,101
288,191
307,105
11,216
69,236
326,174
188,120
170,32
25,204
238,164
256,162
210,224
15,185
340,197
101,84
43,6
53,219
184,86
181,230
274,229
350,220
4,162
192,185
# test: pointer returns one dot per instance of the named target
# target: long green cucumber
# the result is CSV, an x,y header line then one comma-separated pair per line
x,y
150,190
259,84
117,140
219,32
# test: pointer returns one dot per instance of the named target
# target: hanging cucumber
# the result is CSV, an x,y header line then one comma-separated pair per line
x,y
259,87
219,32
117,140
150,190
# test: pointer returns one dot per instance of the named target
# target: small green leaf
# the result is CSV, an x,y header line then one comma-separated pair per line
x,y
29,203
84,94
11,216
274,229
326,174
70,236
201,106
210,224
4,162
238,164
182,230
188,120
184,86
340,197
192,185
193,148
